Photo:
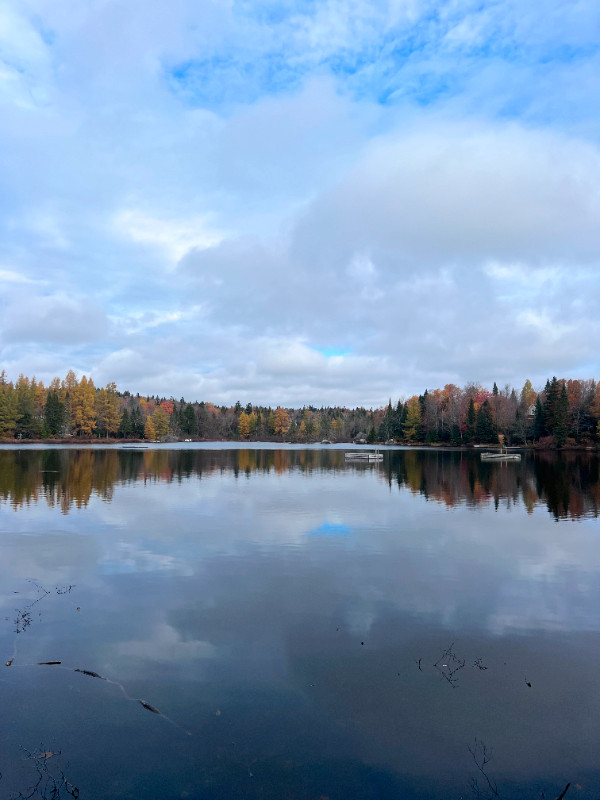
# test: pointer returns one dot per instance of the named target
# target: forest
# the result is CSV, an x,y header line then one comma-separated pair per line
x,y
565,413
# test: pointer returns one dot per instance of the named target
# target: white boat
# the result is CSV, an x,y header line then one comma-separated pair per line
x,y
363,455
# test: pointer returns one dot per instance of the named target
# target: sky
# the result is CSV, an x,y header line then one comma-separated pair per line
x,y
300,202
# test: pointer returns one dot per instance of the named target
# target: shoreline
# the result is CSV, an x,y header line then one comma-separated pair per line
x,y
74,442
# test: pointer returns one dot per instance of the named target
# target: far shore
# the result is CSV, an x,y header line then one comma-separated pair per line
x,y
78,441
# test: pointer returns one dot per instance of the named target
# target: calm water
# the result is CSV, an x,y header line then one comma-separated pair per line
x,y
304,627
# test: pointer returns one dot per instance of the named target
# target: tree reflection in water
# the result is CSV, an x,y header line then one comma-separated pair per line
x,y
568,483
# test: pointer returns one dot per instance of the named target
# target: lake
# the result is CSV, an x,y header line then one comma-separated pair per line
x,y
276,622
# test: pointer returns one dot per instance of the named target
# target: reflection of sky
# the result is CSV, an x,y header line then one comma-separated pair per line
x,y
510,567
331,529
296,602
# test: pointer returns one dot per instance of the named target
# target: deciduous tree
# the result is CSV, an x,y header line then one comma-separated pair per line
x,y
82,401
160,420
281,421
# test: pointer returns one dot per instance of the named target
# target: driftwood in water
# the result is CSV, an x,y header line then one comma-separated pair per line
x,y
90,673
149,707
49,663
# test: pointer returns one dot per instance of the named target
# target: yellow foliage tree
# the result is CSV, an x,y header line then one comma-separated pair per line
x,y
82,407
149,432
282,421
160,420
244,425
413,419
108,416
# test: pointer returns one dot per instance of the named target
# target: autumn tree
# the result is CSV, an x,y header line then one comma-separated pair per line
x,y
8,408
160,420
82,402
149,432
528,395
244,425
108,416
412,424
281,421
581,395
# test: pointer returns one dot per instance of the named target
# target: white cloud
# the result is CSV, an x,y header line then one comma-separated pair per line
x,y
12,276
407,183
55,319
175,237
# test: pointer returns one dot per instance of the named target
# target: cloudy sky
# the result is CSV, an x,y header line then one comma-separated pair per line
x,y
300,201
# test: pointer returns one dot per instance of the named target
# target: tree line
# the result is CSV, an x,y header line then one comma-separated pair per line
x,y
564,412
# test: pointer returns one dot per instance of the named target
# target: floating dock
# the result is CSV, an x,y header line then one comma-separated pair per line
x,y
363,455
500,456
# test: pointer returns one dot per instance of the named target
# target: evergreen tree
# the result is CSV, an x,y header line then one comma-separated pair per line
x,y
561,417
398,419
137,422
54,414
125,425
455,439
539,425
552,395
484,427
188,422
471,420
28,424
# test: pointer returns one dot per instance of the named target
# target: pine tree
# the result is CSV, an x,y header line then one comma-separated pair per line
x,y
125,425
188,424
54,414
561,417
137,422
552,394
484,427
539,425
471,420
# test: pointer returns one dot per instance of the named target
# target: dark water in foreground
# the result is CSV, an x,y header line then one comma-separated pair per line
x,y
305,627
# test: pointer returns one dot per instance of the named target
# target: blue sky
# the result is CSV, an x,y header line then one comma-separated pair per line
x,y
299,202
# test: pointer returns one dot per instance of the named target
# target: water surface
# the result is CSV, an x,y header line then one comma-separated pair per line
x,y
305,627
